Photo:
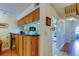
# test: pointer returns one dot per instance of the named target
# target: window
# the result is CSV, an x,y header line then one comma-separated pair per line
x,y
77,32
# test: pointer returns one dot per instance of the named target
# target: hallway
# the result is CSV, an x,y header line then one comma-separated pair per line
x,y
67,38
71,48
74,48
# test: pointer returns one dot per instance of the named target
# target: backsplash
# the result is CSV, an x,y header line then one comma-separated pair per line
x,y
26,28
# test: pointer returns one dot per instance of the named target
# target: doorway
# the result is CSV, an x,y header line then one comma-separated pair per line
x,y
63,31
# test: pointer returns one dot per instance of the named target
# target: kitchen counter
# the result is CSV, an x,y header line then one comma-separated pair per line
x,y
22,41
26,34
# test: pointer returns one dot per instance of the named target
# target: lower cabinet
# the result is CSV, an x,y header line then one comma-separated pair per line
x,y
34,48
27,45
16,43
20,45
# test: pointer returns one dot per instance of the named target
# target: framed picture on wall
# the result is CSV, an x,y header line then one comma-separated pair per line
x,y
48,21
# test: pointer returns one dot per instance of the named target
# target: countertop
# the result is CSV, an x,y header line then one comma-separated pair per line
x,y
26,34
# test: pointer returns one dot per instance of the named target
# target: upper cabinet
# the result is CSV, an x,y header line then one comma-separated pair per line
x,y
74,8
31,17
78,8
70,9
36,14
19,22
26,19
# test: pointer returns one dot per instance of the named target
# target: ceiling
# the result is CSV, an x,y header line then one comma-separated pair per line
x,y
17,8
59,7
14,8
62,5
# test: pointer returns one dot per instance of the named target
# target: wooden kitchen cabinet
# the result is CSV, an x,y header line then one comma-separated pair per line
x,y
26,19
35,40
20,45
23,21
27,46
77,8
36,14
16,43
31,17
71,9
19,23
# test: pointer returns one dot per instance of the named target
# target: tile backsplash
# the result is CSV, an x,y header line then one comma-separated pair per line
x,y
25,28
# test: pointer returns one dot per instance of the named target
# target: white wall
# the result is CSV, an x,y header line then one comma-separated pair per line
x,y
10,20
45,32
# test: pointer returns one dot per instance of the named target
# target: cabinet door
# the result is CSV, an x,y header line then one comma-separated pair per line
x,y
20,45
19,22
27,46
35,45
16,43
23,21
36,15
77,8
26,19
30,17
